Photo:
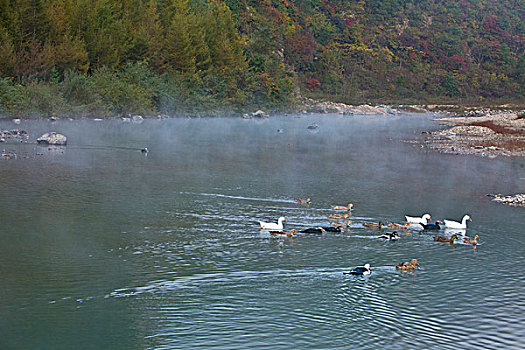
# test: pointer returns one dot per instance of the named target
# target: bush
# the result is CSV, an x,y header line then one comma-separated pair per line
x,y
44,100
13,98
121,96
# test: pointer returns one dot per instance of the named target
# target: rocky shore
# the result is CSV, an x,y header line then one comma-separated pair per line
x,y
486,132
313,106
483,133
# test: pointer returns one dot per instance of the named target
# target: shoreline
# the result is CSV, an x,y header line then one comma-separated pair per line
x,y
487,131
481,134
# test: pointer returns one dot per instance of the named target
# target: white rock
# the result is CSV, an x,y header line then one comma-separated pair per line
x,y
52,138
259,114
137,119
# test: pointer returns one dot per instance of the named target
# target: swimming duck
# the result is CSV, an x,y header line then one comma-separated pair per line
x,y
339,207
432,227
390,236
472,241
445,239
341,224
416,220
332,229
305,201
144,150
360,270
459,225
369,224
291,233
405,226
318,230
406,266
337,216
273,226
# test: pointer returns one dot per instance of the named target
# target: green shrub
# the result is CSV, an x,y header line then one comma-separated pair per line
x,y
119,95
13,98
45,100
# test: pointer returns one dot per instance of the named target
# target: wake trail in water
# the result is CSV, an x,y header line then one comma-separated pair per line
x,y
241,197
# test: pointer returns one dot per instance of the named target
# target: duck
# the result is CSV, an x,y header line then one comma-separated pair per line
x,y
390,236
304,201
332,229
405,226
144,150
341,224
458,225
272,226
337,216
416,220
445,239
406,266
472,241
340,207
291,233
369,224
432,227
360,270
318,230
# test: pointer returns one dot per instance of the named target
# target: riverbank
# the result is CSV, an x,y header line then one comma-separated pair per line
x,y
482,133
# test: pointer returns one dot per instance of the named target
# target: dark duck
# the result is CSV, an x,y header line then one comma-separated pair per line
x,y
432,227
390,236
360,270
332,229
318,230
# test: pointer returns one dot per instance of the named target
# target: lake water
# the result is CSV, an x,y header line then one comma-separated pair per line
x,y
104,247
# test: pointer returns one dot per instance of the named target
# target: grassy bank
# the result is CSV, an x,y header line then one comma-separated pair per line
x,y
134,90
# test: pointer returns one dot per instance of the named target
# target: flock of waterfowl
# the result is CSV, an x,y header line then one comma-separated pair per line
x,y
423,223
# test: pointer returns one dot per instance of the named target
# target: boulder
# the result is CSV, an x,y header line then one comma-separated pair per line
x,y
137,119
514,200
52,138
259,114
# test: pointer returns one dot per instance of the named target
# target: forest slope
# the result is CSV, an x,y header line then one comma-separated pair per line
x,y
110,57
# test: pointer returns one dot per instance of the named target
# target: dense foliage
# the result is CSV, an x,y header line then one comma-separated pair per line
x,y
170,56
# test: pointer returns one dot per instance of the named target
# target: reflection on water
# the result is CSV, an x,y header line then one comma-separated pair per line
x,y
105,246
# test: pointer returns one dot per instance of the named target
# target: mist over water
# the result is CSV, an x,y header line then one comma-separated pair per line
x,y
102,246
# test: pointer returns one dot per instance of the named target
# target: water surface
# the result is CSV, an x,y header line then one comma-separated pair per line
x,y
102,246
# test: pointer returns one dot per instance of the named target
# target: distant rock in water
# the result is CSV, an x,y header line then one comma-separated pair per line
x,y
259,114
514,200
13,135
8,155
137,119
52,138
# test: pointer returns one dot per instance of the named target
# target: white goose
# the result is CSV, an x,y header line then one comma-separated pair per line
x,y
458,225
273,226
416,220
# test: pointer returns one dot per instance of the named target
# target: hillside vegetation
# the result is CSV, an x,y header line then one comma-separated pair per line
x,y
110,57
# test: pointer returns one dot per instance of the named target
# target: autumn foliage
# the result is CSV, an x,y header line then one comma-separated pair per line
x,y
188,56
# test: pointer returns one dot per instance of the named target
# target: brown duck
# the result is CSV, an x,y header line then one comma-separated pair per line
x,y
340,207
369,224
474,241
406,266
445,239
